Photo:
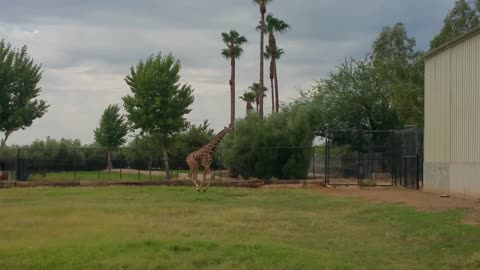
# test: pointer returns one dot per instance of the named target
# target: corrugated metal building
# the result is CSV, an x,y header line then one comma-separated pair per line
x,y
452,117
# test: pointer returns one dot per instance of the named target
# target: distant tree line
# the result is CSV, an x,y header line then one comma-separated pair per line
x,y
142,153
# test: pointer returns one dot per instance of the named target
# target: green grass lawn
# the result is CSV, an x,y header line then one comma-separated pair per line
x,y
94,176
177,228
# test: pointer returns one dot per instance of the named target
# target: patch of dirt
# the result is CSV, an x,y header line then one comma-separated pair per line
x,y
418,199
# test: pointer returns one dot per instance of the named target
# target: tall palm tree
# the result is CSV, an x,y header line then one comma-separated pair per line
x,y
234,42
255,88
249,98
273,71
263,10
274,25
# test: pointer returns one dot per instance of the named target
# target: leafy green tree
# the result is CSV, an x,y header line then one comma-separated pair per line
x,y
272,26
249,98
263,11
19,91
111,131
158,103
461,19
234,42
401,70
353,97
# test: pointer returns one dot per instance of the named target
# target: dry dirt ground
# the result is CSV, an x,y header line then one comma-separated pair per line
x,y
420,200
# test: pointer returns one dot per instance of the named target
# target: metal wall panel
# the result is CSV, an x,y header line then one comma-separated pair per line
x,y
452,104
465,101
437,108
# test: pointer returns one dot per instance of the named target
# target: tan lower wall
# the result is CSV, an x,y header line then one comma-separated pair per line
x,y
465,179
452,178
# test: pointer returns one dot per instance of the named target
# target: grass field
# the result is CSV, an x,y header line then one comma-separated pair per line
x,y
177,228
95,175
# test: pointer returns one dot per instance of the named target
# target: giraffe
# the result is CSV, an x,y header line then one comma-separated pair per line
x,y
203,157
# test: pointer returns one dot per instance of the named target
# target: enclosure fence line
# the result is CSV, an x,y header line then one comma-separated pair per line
x,y
344,157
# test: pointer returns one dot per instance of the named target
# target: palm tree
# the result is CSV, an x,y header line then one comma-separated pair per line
x,y
249,98
234,50
263,10
255,88
274,25
273,70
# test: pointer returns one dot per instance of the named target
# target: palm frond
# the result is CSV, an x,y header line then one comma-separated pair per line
x,y
260,1
268,53
226,53
237,52
233,40
273,24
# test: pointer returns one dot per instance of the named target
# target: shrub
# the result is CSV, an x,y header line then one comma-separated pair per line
x,y
279,146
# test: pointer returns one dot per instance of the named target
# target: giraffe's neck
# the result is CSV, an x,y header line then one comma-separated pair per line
x,y
216,140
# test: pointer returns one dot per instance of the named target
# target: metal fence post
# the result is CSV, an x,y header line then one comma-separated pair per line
x,y
394,173
418,171
326,161
221,164
314,163
74,170
18,164
359,161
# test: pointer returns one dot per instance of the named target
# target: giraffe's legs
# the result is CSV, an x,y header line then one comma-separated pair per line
x,y
202,182
192,174
209,180
197,182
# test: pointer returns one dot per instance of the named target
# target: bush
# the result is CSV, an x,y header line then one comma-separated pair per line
x,y
279,146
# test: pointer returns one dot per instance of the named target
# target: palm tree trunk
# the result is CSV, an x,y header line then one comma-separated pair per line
x,y
263,10
273,96
277,105
249,107
232,91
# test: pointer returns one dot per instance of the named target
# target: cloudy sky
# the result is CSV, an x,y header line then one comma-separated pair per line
x,y
87,47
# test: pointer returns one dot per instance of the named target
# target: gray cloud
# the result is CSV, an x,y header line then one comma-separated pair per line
x,y
87,47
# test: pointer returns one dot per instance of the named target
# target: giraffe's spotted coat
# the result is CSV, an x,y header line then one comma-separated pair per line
x,y
203,158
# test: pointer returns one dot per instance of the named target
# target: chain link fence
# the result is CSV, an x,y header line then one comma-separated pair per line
x,y
371,158
345,157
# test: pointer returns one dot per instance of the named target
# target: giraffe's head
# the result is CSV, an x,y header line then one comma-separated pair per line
x,y
229,129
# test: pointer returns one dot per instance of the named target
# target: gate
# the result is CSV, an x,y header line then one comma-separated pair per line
x,y
374,158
